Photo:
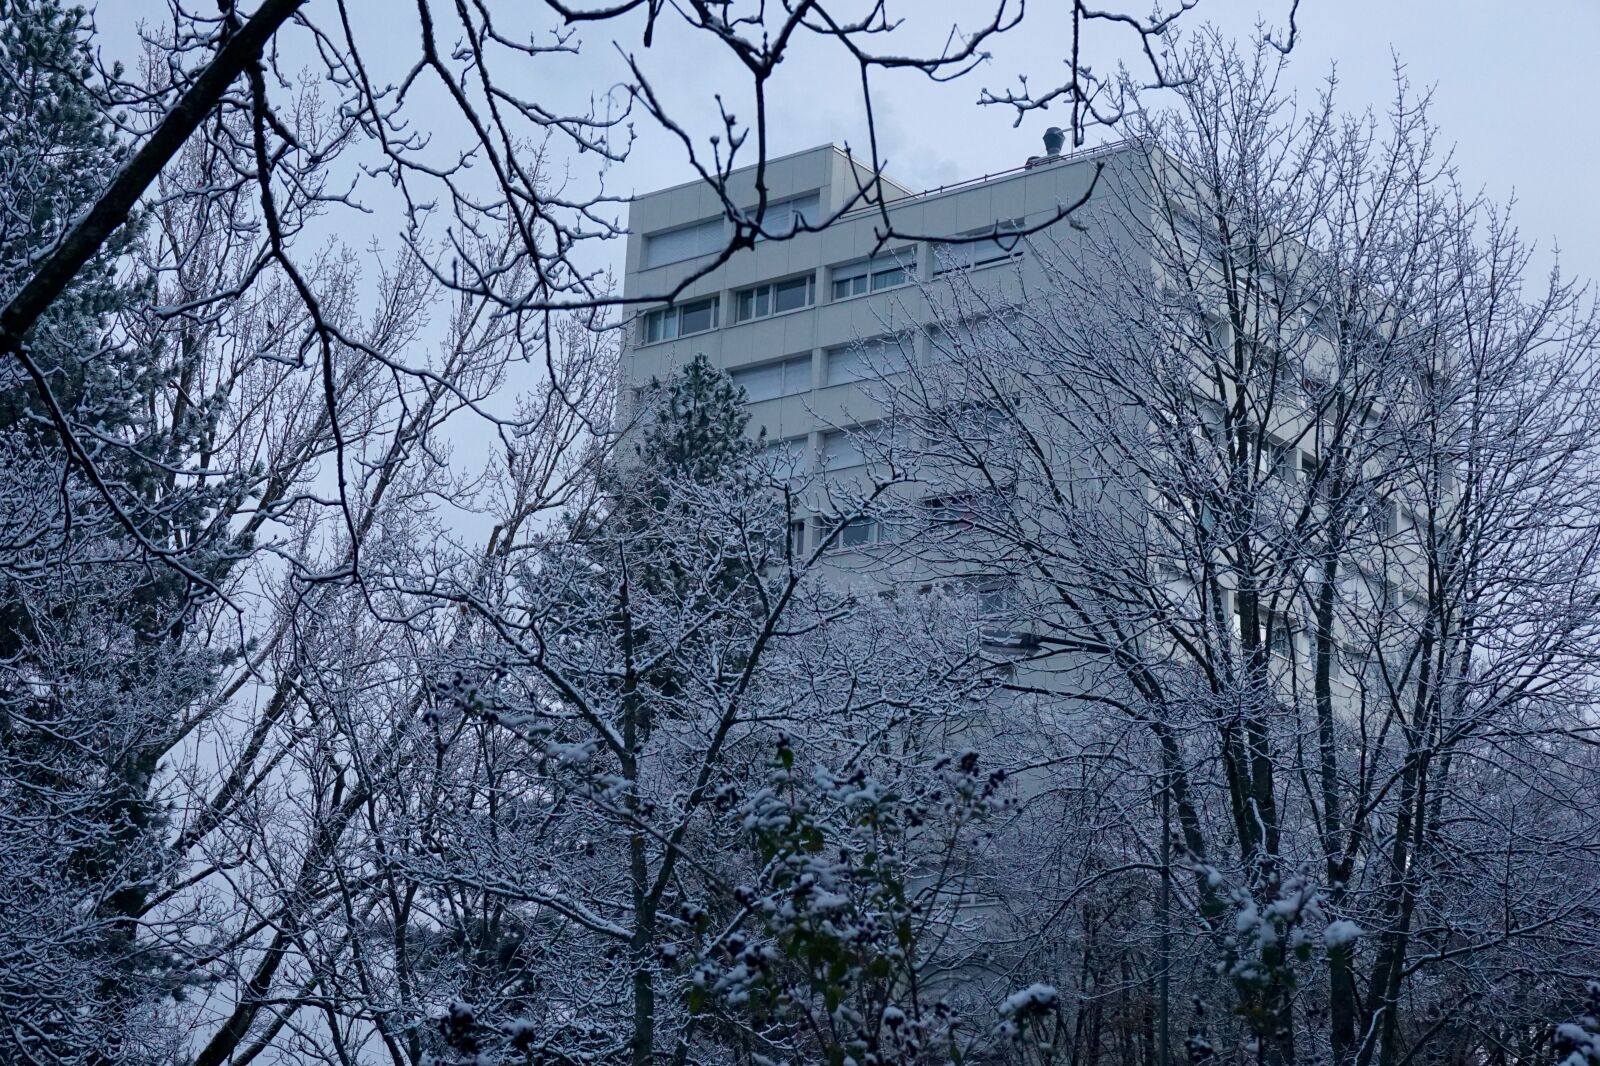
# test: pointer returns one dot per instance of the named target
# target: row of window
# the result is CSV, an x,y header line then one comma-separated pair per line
x,y
1349,663
859,532
768,381
774,298
680,320
848,280
767,299
1290,464
844,364
781,219
784,218
974,425
979,247
840,450
954,513
874,275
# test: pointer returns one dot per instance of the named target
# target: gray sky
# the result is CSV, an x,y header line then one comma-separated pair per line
x,y
1518,95
1515,90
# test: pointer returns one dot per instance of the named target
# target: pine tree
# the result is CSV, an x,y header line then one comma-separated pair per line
x,y
94,669
657,587
696,429
58,148
691,446
1578,1042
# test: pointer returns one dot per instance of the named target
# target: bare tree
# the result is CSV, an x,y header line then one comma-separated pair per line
x,y
481,212
1249,509
238,565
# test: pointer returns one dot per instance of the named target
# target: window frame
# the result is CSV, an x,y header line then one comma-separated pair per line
x,y
850,437
867,349
792,449
801,361
766,295
841,533
705,225
1004,235
1280,638
778,208
653,329
867,271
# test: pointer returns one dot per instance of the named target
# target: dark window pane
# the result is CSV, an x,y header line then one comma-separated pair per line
x,y
697,317
851,284
661,325
790,295
857,532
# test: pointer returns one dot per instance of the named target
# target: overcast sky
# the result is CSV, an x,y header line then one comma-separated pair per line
x,y
1516,90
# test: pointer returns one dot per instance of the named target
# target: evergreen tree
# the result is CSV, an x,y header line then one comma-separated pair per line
x,y
658,589
691,447
94,668
58,148
696,429
1578,1042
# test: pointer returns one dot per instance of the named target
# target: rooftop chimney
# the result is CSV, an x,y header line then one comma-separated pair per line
x,y
1054,138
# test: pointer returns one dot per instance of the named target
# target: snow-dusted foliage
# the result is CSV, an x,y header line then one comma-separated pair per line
x,y
95,680
1578,1042
750,817
375,688
1286,466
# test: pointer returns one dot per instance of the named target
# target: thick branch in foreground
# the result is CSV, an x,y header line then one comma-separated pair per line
x,y
90,233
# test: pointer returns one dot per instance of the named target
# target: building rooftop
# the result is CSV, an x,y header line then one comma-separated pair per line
x,y
1110,148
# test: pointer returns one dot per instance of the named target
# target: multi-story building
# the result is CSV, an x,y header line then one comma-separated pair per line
x,y
798,322
807,324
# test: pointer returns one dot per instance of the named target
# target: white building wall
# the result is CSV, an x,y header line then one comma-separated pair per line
x,y
1032,195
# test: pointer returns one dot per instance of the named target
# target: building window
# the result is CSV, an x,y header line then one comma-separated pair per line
x,y
785,458
1280,638
768,381
1187,228
859,532
980,247
974,337
999,612
863,444
1384,517
841,449
1279,459
685,242
866,359
1353,663
960,512
784,218
680,320
873,275
774,298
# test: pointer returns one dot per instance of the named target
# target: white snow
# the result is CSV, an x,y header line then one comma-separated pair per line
x,y
1341,933
1035,997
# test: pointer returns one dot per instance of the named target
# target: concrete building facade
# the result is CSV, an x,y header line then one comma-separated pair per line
x,y
797,322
